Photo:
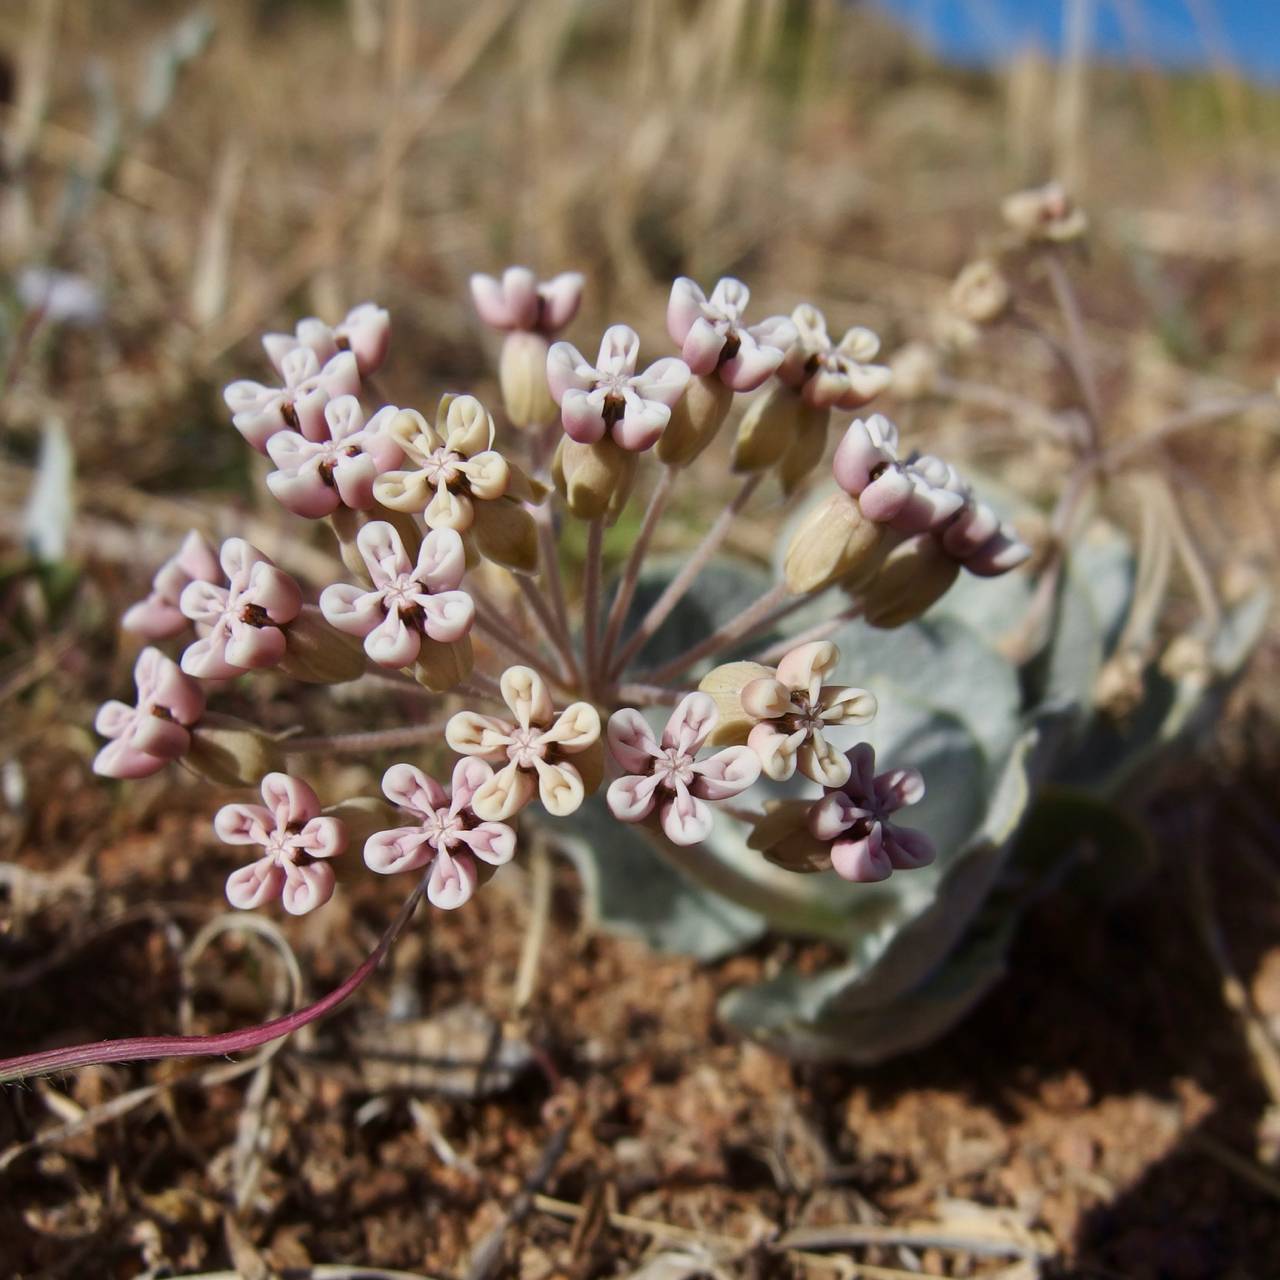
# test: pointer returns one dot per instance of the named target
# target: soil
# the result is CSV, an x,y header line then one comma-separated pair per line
x,y
1100,1107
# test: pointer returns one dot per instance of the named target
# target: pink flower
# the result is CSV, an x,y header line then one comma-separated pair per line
x,y
832,375
259,411
542,752
713,338
912,497
288,825
520,302
854,821
366,333
407,600
243,618
446,834
158,615
155,730
667,775
316,477
793,711
609,397
981,542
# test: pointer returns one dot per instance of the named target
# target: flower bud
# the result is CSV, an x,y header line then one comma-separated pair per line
x,y
595,480
782,834
980,292
522,374
767,429
916,574
346,525
725,684
232,753
1045,213
361,816
806,450
317,653
590,764
1121,683
695,419
441,665
504,532
835,543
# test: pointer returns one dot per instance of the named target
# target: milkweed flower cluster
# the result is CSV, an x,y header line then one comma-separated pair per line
x,y
452,583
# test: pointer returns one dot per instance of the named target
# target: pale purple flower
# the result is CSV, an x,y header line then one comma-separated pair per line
x,y
609,397
713,338
667,775
259,411
316,477
981,542
911,496
407,601
242,620
541,752
156,729
831,375
366,333
293,834
158,616
445,834
519,301
793,710
854,821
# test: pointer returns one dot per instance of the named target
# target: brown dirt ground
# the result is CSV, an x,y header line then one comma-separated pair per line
x,y
1102,1093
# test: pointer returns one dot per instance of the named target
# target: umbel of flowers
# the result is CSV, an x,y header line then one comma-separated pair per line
x,y
448,525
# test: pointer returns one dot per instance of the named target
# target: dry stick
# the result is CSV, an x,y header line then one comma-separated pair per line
x,y
144,1048
536,931
410,735
658,500
680,584
591,600
1198,416
766,610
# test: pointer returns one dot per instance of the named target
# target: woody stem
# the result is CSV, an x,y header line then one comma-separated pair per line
x,y
373,740
680,584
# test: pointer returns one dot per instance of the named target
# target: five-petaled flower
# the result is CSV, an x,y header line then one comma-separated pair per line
x,y
461,482
831,375
520,301
784,714
241,621
156,729
365,332
553,754
667,775
408,602
316,477
158,616
848,829
713,338
446,833
259,411
290,828
610,397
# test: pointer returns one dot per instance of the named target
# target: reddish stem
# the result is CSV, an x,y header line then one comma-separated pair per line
x,y
143,1048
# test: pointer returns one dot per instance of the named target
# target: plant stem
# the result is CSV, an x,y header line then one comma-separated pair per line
x,y
680,584
541,610
766,609
144,1048
591,600
819,631
1198,416
658,500
1077,344
502,637
647,695
549,555
410,735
